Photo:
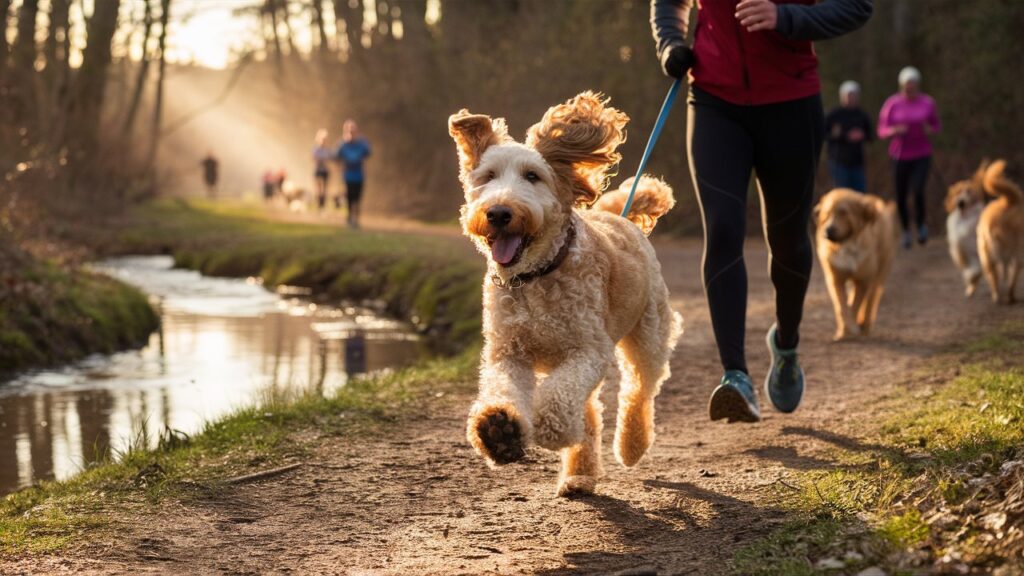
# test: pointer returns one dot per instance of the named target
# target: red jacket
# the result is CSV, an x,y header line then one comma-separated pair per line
x,y
752,68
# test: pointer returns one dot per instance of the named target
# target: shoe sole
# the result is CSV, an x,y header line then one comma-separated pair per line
x,y
727,402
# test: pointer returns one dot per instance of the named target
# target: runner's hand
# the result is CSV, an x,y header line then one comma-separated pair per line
x,y
677,61
757,15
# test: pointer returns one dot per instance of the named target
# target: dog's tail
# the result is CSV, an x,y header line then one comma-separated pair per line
x,y
997,184
653,200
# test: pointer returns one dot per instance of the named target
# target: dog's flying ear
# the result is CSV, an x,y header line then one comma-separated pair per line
x,y
979,174
816,211
473,134
579,140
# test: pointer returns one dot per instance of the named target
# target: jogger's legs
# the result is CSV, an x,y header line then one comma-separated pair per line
x,y
721,159
788,141
902,171
918,180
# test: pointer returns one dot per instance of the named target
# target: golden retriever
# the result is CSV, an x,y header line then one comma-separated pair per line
x,y
566,288
856,243
1001,234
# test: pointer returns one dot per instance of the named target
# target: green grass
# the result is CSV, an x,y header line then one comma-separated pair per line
x,y
51,314
48,516
870,502
422,278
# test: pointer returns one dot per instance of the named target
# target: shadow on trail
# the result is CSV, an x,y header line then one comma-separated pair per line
x,y
847,443
682,525
788,457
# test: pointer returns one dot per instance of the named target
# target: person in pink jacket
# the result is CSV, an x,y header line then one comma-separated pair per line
x,y
909,118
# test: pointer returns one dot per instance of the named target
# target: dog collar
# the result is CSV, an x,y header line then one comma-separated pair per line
x,y
518,280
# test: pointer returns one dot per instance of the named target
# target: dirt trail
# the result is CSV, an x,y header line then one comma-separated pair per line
x,y
423,503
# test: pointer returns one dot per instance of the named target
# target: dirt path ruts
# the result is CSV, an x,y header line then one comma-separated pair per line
x,y
423,503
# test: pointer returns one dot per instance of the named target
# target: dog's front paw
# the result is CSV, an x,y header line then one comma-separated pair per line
x,y
497,434
576,485
557,426
841,334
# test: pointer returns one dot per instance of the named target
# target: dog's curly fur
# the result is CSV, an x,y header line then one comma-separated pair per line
x,y
551,341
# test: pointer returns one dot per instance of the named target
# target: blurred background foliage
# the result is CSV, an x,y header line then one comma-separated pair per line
x,y
93,115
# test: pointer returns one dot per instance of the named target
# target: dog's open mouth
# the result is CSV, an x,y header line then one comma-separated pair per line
x,y
506,249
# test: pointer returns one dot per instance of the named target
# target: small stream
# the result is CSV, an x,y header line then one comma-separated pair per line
x,y
223,344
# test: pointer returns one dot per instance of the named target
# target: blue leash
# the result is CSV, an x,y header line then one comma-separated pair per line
x,y
670,98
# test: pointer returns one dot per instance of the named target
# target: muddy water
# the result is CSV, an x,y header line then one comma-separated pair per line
x,y
223,344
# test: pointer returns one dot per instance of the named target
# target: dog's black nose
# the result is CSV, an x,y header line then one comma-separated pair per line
x,y
499,216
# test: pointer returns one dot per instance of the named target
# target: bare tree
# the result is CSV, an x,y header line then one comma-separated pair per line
x,y
91,80
324,45
58,40
143,74
270,11
24,52
5,8
158,106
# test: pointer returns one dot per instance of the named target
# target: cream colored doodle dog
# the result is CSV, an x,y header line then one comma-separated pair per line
x,y
566,288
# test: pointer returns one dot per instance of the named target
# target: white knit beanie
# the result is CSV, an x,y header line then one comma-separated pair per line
x,y
910,74
848,87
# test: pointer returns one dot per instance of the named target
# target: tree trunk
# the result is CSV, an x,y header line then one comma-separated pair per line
x,y
140,80
53,91
24,53
348,17
91,80
324,48
271,10
5,8
158,106
289,35
57,38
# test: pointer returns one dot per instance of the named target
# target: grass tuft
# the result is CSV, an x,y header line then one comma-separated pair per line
x,y
921,462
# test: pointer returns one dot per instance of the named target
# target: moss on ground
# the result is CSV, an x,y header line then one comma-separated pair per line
x,y
51,314
879,506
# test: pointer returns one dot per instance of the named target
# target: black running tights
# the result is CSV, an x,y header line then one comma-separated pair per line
x,y
780,143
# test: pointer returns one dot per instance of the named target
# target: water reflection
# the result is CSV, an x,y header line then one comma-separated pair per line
x,y
223,344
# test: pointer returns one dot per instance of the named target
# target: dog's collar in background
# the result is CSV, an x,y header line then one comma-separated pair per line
x,y
518,280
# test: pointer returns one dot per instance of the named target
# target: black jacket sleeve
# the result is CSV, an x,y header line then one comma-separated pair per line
x,y
822,21
670,20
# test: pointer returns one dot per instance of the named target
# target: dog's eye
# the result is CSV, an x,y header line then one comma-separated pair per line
x,y
490,176
531,177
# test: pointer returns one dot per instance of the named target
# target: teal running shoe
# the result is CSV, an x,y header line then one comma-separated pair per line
x,y
734,399
785,382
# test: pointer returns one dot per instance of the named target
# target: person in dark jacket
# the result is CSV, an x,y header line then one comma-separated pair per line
x,y
211,172
754,106
848,128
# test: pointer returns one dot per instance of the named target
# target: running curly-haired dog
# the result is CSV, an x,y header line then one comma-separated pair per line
x,y
565,287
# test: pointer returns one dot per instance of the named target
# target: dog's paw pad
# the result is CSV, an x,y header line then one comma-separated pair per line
x,y
501,436
576,486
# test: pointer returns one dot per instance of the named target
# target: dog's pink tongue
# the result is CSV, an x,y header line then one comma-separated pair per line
x,y
504,249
